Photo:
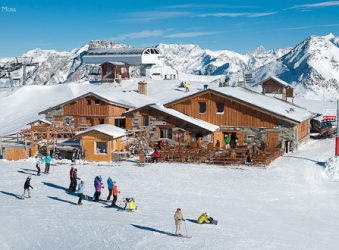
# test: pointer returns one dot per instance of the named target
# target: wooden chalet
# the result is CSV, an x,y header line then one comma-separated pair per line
x,y
247,117
167,124
99,142
85,111
278,87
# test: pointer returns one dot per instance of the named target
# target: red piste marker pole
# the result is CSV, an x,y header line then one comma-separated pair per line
x,y
337,135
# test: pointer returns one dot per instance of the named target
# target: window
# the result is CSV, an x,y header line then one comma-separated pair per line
x,y
202,107
166,133
120,122
88,101
220,107
97,102
101,147
101,121
123,70
146,120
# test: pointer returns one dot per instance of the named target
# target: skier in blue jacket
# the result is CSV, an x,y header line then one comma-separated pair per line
x,y
110,188
47,160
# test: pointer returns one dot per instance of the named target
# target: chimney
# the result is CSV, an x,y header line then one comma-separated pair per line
x,y
142,88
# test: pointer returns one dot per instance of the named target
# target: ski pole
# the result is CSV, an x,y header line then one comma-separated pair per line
x,y
185,227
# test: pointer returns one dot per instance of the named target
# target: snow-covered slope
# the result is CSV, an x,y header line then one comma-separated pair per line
x,y
312,65
286,207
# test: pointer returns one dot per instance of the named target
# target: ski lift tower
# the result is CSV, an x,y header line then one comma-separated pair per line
x,y
24,62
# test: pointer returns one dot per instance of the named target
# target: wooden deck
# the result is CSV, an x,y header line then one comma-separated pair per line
x,y
234,157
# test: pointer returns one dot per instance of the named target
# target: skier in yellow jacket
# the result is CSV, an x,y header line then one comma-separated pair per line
x,y
178,219
205,218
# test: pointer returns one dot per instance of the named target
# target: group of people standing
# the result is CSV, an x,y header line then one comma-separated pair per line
x,y
47,160
98,186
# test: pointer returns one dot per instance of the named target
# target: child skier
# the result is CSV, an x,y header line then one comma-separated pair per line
x,y
38,165
27,187
81,192
116,192
178,219
110,188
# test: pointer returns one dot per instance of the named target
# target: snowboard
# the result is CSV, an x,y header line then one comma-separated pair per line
x,y
214,222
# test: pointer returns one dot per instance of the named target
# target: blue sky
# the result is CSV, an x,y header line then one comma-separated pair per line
x,y
216,24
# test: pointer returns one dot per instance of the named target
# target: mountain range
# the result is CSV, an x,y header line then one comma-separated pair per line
x,y
312,66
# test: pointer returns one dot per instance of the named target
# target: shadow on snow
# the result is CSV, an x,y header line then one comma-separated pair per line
x,y
11,194
62,200
153,230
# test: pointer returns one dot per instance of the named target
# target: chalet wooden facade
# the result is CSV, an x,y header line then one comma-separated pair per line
x,y
247,117
99,142
86,111
166,124
276,86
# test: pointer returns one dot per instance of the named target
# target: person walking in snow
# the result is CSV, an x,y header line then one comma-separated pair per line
x,y
81,192
47,160
71,176
178,219
38,165
74,180
27,187
110,188
98,186
116,192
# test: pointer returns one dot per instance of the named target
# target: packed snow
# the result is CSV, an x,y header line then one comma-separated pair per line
x,y
287,206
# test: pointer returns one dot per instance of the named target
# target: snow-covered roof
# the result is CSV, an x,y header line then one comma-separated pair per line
x,y
269,104
107,129
127,100
197,122
115,63
174,113
40,120
278,80
122,51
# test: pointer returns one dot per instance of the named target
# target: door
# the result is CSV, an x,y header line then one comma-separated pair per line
x,y
272,139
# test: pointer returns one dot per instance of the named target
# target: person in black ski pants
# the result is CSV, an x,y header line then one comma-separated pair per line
x,y
27,186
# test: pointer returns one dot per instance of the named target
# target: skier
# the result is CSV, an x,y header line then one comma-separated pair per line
x,y
110,188
27,186
71,176
205,218
98,186
38,165
74,181
81,192
227,142
47,160
116,192
178,219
